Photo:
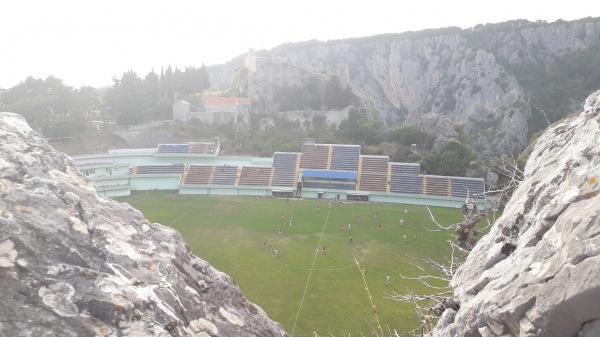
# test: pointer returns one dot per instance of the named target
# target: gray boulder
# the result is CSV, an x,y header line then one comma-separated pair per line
x,y
73,263
537,272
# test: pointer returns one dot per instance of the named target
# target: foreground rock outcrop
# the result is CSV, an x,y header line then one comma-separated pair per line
x,y
537,273
76,264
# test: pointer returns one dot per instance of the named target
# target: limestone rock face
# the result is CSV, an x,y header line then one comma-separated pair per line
x,y
73,263
537,272
467,76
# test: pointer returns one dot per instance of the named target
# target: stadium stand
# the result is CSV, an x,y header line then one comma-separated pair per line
x,y
345,157
173,148
406,168
315,156
320,169
255,176
199,174
284,169
373,173
436,185
203,148
460,185
159,169
225,175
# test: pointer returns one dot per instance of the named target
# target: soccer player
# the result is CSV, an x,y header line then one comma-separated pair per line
x,y
387,280
324,250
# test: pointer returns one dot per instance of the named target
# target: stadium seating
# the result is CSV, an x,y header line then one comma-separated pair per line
x,y
405,178
374,173
173,148
315,156
225,175
436,185
460,186
284,169
199,174
255,176
203,148
345,157
159,169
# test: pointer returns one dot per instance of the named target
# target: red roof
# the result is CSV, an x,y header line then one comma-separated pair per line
x,y
226,101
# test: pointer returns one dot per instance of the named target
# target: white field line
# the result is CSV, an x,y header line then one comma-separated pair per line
x,y
310,273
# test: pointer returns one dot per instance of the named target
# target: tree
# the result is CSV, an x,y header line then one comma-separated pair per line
x,y
362,127
50,106
127,99
408,134
453,160
336,97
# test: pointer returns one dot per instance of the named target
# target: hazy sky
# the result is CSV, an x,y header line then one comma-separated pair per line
x,y
87,42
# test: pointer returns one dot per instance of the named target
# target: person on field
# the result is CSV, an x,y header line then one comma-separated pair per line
x,y
324,250
379,227
388,280
350,240
275,252
290,222
404,237
265,245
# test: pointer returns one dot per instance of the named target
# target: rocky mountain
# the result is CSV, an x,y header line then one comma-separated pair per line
x,y
536,272
503,82
73,263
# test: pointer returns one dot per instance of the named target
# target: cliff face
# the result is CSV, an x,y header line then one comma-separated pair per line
x,y
472,77
536,272
76,264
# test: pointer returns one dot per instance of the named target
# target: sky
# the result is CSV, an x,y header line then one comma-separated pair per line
x,y
85,42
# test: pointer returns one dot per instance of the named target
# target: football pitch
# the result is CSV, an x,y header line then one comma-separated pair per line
x,y
282,267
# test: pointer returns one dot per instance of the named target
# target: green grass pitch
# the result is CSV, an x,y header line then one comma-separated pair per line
x,y
301,288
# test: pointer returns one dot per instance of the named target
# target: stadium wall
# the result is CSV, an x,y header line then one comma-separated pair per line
x,y
224,190
155,182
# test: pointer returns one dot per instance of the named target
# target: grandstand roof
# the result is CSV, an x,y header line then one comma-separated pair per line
x,y
328,174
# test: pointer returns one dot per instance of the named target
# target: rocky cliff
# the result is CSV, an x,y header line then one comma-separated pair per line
x,y
488,78
536,272
76,264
